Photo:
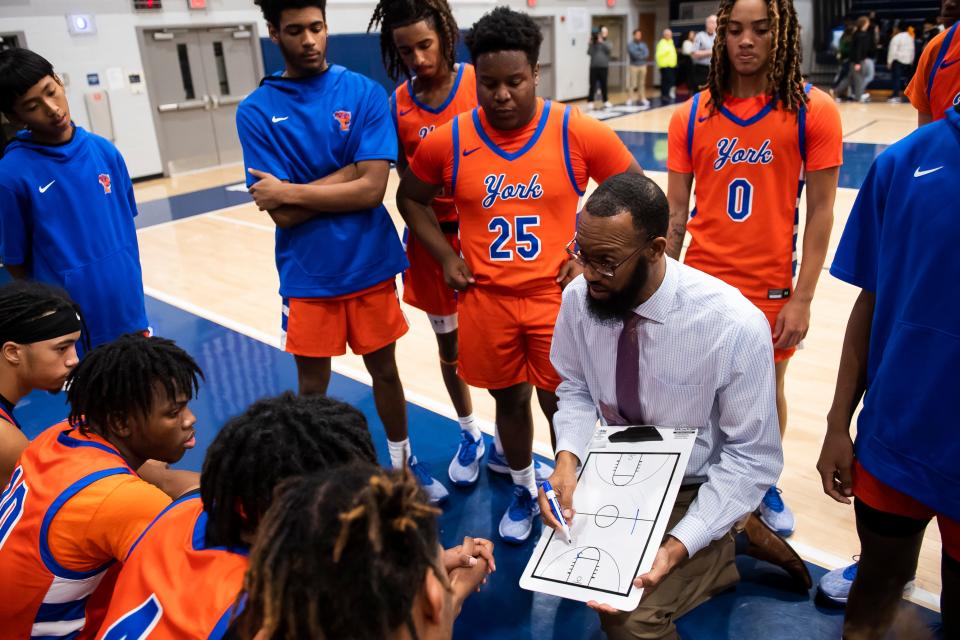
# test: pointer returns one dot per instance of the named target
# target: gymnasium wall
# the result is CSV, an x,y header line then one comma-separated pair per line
x,y
44,26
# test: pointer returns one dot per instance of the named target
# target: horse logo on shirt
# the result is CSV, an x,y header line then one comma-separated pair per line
x,y
343,117
104,179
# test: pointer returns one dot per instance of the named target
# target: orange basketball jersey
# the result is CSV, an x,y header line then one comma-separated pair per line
x,y
748,159
173,584
935,87
414,120
518,209
39,597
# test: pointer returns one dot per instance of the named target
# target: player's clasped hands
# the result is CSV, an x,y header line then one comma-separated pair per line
x,y
468,566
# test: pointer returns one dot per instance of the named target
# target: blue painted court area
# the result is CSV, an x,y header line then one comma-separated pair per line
x,y
240,370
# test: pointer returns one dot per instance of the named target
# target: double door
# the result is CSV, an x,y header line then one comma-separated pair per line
x,y
197,77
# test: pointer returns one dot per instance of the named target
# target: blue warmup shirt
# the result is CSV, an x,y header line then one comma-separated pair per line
x,y
66,214
901,243
300,130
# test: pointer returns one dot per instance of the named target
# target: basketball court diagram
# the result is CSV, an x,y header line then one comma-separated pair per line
x,y
618,501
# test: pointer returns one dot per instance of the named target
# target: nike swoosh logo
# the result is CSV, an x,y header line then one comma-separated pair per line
x,y
403,113
945,63
44,189
918,173
275,119
467,152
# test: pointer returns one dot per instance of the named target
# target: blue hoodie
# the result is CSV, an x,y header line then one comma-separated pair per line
x,y
66,214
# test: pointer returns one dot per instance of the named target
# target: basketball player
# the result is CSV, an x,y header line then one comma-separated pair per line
x,y
53,176
751,140
935,86
899,355
515,167
418,40
39,329
317,141
74,505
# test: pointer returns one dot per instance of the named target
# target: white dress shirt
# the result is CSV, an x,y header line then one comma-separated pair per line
x,y
706,361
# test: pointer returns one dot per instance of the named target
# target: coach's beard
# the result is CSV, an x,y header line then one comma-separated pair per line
x,y
620,304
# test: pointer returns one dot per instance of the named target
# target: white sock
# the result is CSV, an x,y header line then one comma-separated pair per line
x,y
399,453
525,478
498,445
469,424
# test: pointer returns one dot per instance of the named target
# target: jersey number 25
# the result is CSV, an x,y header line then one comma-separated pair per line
x,y
527,243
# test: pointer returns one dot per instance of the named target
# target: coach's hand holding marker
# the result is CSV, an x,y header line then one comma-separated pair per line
x,y
556,510
563,483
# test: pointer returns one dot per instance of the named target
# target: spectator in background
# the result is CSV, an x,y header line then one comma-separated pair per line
x,y
639,54
667,61
900,56
862,49
599,52
702,53
844,48
685,62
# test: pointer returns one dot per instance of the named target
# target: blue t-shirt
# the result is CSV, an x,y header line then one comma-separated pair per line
x,y
66,214
300,130
901,243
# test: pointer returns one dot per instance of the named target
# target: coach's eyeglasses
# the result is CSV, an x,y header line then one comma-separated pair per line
x,y
605,269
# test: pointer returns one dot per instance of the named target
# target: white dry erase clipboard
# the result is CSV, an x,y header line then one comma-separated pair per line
x,y
625,493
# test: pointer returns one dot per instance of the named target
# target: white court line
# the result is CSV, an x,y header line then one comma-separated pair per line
x,y
206,214
271,229
359,375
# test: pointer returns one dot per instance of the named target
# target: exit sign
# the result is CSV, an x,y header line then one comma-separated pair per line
x,y
197,4
147,5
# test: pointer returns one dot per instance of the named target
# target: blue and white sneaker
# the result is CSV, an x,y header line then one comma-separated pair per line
x,y
464,469
775,514
835,585
517,523
497,463
435,491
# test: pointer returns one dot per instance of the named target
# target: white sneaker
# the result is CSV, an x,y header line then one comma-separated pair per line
x,y
630,103
464,469
435,491
590,106
517,523
835,585
607,105
775,514
865,98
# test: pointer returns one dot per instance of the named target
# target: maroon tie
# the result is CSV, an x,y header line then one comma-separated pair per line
x,y
628,372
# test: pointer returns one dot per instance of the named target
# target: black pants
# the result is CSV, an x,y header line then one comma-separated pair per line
x,y
899,71
598,80
699,75
668,76
889,549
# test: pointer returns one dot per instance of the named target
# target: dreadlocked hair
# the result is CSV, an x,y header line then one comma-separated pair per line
x,y
784,79
342,555
276,438
504,29
23,301
119,379
393,14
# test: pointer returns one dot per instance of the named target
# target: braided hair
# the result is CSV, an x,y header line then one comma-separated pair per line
x,y
23,301
504,29
118,379
393,14
784,79
274,439
342,555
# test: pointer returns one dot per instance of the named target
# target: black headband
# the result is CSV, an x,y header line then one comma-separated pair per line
x,y
63,321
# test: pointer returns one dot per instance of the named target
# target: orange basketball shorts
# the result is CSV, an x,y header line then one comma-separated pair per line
x,y
771,309
423,284
505,339
368,320
883,497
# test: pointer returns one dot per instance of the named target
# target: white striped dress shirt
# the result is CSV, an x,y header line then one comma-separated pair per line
x,y
706,361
